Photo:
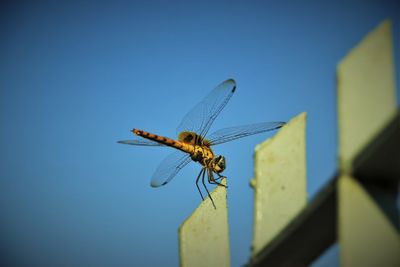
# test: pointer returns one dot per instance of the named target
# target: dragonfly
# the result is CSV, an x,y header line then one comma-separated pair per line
x,y
195,145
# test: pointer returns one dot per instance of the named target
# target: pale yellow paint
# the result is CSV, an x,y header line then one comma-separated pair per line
x,y
280,181
204,236
366,236
366,93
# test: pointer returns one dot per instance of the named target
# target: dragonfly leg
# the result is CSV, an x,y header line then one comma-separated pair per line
x,y
212,180
197,182
204,184
220,176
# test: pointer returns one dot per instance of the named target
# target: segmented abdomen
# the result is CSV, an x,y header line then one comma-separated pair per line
x,y
165,140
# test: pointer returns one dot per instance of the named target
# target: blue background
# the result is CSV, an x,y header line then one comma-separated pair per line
x,y
77,77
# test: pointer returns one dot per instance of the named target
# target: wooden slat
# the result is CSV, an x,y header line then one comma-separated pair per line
x,y
366,93
367,238
204,236
279,181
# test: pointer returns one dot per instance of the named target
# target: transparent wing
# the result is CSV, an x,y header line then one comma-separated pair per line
x,y
200,118
140,142
232,133
169,167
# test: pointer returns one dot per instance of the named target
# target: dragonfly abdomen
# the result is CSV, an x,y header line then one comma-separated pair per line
x,y
164,140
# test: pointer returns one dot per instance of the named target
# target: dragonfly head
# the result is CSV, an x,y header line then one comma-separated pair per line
x,y
219,164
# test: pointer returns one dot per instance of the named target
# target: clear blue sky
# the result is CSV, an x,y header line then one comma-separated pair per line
x,y
76,77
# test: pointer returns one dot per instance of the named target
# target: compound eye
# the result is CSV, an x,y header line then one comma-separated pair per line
x,y
221,162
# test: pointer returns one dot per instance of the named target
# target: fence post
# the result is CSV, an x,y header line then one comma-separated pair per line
x,y
366,103
279,181
204,236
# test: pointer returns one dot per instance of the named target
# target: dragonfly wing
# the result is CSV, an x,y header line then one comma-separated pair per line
x,y
232,133
169,167
201,117
140,142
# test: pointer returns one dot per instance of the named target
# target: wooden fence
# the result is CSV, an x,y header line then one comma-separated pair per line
x,y
357,208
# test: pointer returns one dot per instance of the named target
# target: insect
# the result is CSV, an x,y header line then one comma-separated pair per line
x,y
193,143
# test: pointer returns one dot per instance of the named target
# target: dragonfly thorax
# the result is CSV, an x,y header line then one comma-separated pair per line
x,y
193,138
205,156
202,154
